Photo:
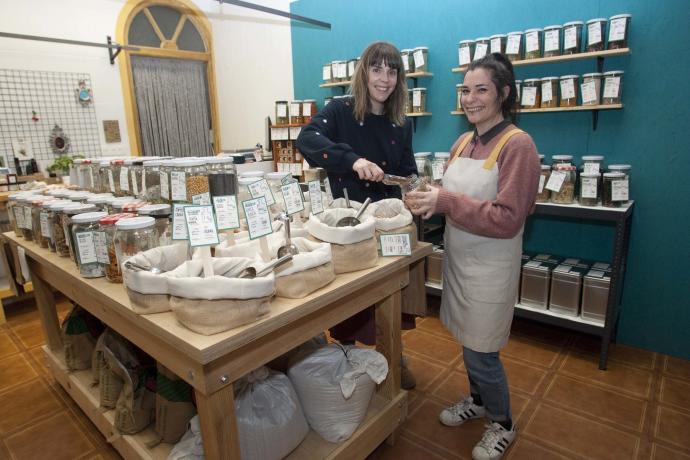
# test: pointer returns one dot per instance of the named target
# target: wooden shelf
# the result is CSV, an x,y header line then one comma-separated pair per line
x,y
579,108
565,58
419,74
294,125
418,114
347,83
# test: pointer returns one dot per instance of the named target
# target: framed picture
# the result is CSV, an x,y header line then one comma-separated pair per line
x,y
22,149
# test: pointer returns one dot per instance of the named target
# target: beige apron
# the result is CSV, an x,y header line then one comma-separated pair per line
x,y
480,274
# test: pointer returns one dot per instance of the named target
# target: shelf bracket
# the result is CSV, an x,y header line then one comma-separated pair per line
x,y
595,119
600,64
112,54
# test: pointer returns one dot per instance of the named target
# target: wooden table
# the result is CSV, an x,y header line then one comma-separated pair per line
x,y
210,364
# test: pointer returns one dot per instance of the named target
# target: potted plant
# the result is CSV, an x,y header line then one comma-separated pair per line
x,y
60,166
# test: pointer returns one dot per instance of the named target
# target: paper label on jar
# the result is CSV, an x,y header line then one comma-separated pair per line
x,y
589,92
406,63
90,174
261,188
292,195
420,165
529,96
329,192
27,218
619,190
496,45
351,68
518,88
86,247
135,184
551,40
281,110
459,103
588,187
531,41
593,33
513,44
464,55
227,214
19,216
342,68
416,98
124,179
480,50
556,180
165,187
546,93
591,168
326,72
418,59
569,37
111,181
294,132
143,183
201,226
306,109
617,29
179,225
294,109
611,87
542,179
567,89
202,199
396,244
437,169
258,217
101,244
178,185
315,198
45,226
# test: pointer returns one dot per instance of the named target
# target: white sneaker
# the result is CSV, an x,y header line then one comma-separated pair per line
x,y
460,412
494,443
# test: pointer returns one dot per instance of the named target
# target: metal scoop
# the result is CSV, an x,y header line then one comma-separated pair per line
x,y
347,198
289,248
137,267
250,272
350,221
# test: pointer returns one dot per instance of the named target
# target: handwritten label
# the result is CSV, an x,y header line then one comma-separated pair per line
x,y
45,226
531,41
496,45
396,245
201,225
292,195
593,33
464,55
611,87
165,185
260,189
86,248
258,217
418,57
227,214
513,44
546,93
100,242
480,51
556,180
179,225
617,29
619,190
178,186
567,89
529,96
588,187
124,179
569,37
551,40
589,92
315,197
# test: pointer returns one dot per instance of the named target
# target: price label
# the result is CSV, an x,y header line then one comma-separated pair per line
x,y
593,33
350,68
295,109
396,245
178,185
416,98
315,197
260,189
567,89
529,96
546,93
86,248
202,199
496,45
437,170
101,244
418,57
480,51
591,168
306,109
556,180
326,74
464,55
45,226
258,217
28,219
617,29
201,225
282,110
611,87
588,187
589,92
111,181
329,192
619,190
531,41
135,184
179,225
569,38
542,180
551,40
292,195
124,179
513,44
227,214
165,186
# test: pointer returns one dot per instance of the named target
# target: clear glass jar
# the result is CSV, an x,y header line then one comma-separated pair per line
x,y
531,97
37,220
296,112
125,179
549,92
514,46
133,236
84,227
164,178
566,193
408,64
308,110
590,189
572,37
84,177
67,214
420,56
114,177
619,25
616,190
74,172
613,87
162,213
95,176
46,224
498,43
22,212
150,185
57,235
135,171
275,182
423,161
103,176
12,203
187,180
465,52
543,194
590,89
419,100
222,177
326,74
622,168
438,166
533,43
552,40
282,117
105,246
569,88
481,48
243,194
596,32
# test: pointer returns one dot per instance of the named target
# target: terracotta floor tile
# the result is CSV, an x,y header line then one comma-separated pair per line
x,y
672,426
441,350
19,314
621,353
522,376
25,403
7,346
524,449
675,392
15,370
580,435
618,408
660,452
433,325
617,376
39,358
59,432
531,351
677,367
403,448
425,372
30,334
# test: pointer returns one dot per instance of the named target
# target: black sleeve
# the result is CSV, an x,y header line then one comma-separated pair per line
x,y
316,144
407,163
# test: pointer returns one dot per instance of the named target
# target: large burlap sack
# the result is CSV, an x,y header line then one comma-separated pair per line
x,y
209,305
174,407
78,331
148,293
392,217
110,384
335,385
352,248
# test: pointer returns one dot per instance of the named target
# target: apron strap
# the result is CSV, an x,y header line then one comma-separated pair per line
x,y
491,160
461,147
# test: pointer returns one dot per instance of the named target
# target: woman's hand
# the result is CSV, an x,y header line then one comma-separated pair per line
x,y
423,203
368,170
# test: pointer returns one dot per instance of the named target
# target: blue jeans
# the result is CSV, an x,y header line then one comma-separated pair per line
x,y
488,380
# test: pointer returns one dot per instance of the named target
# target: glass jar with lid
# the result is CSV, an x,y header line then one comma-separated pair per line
x,y
572,37
552,40
590,89
59,240
48,221
308,110
74,171
118,206
562,159
222,176
569,88
126,186
103,176
326,74
100,201
543,193
622,168
95,176
423,161
105,246
438,166
164,177
419,100
465,52
67,214
514,46
619,26
590,189
498,43
282,116
150,189
133,236
162,213
12,203
592,164
566,175
616,189
549,92
420,56
481,48
275,182
22,212
114,176
533,43
39,219
531,97
408,101
613,87
84,229
406,56
596,32
135,171
296,112
85,179
187,180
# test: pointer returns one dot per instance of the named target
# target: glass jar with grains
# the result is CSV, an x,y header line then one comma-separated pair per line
x,y
566,176
552,40
619,26
67,223
570,87
420,56
531,94
39,218
590,189
438,166
498,43
465,51
162,213
616,190
57,241
419,100
424,168
543,193
222,176
549,92
514,46
133,236
188,182
596,32
406,56
533,45
590,89
572,37
481,48
105,246
613,87
84,228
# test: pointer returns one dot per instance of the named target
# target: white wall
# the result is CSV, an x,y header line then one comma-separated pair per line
x,y
253,58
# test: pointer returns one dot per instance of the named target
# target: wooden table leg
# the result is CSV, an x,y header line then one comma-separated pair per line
x,y
218,424
45,301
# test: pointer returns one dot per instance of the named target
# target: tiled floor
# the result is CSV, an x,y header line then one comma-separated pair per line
x,y
564,406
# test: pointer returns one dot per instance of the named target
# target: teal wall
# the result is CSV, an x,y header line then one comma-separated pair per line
x,y
649,133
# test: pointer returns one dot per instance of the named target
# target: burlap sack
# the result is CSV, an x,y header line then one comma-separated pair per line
x,y
301,284
353,257
174,406
110,383
392,217
408,229
77,340
209,317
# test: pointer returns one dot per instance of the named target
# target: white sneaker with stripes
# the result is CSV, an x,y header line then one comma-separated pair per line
x,y
460,412
494,443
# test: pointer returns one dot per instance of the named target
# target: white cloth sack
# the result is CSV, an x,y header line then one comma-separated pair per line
x,y
335,386
390,214
322,226
190,446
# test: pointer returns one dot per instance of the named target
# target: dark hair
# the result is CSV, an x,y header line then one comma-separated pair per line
x,y
502,75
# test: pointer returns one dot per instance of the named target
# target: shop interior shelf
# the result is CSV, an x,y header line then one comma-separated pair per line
x,y
419,74
579,108
418,114
347,82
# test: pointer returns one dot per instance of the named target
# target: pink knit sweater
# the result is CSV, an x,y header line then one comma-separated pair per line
x,y
518,180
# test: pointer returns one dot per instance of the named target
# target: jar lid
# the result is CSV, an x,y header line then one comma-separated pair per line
x,y
310,100
135,223
248,180
186,163
618,16
60,205
561,157
590,75
590,175
155,210
573,23
112,218
613,73
88,217
483,39
81,208
253,174
132,206
545,167
518,32
98,200
419,89
549,78
422,154
422,48
217,160
276,175
445,155
150,163
39,200
406,50
555,26
532,30
591,21
593,158
48,203
79,195
117,161
532,80
568,77
297,101
119,204
465,42
614,175
498,36
78,161
564,167
620,167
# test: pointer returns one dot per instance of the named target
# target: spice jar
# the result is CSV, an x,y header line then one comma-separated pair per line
x,y
419,100
481,48
420,56
621,168
423,161
616,190
133,236
572,37
531,97
569,86
114,176
533,45
105,246
308,110
566,192
296,112
438,166
282,117
613,87
180,173
589,189
67,214
46,224
618,31
12,208
596,31
552,40
498,43
222,177
549,92
458,93
326,75
543,193
57,241
162,214
408,64
37,220
518,93
84,227
590,89
465,52
514,46
135,172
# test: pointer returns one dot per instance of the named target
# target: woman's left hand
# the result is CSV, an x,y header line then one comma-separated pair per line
x,y
423,203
